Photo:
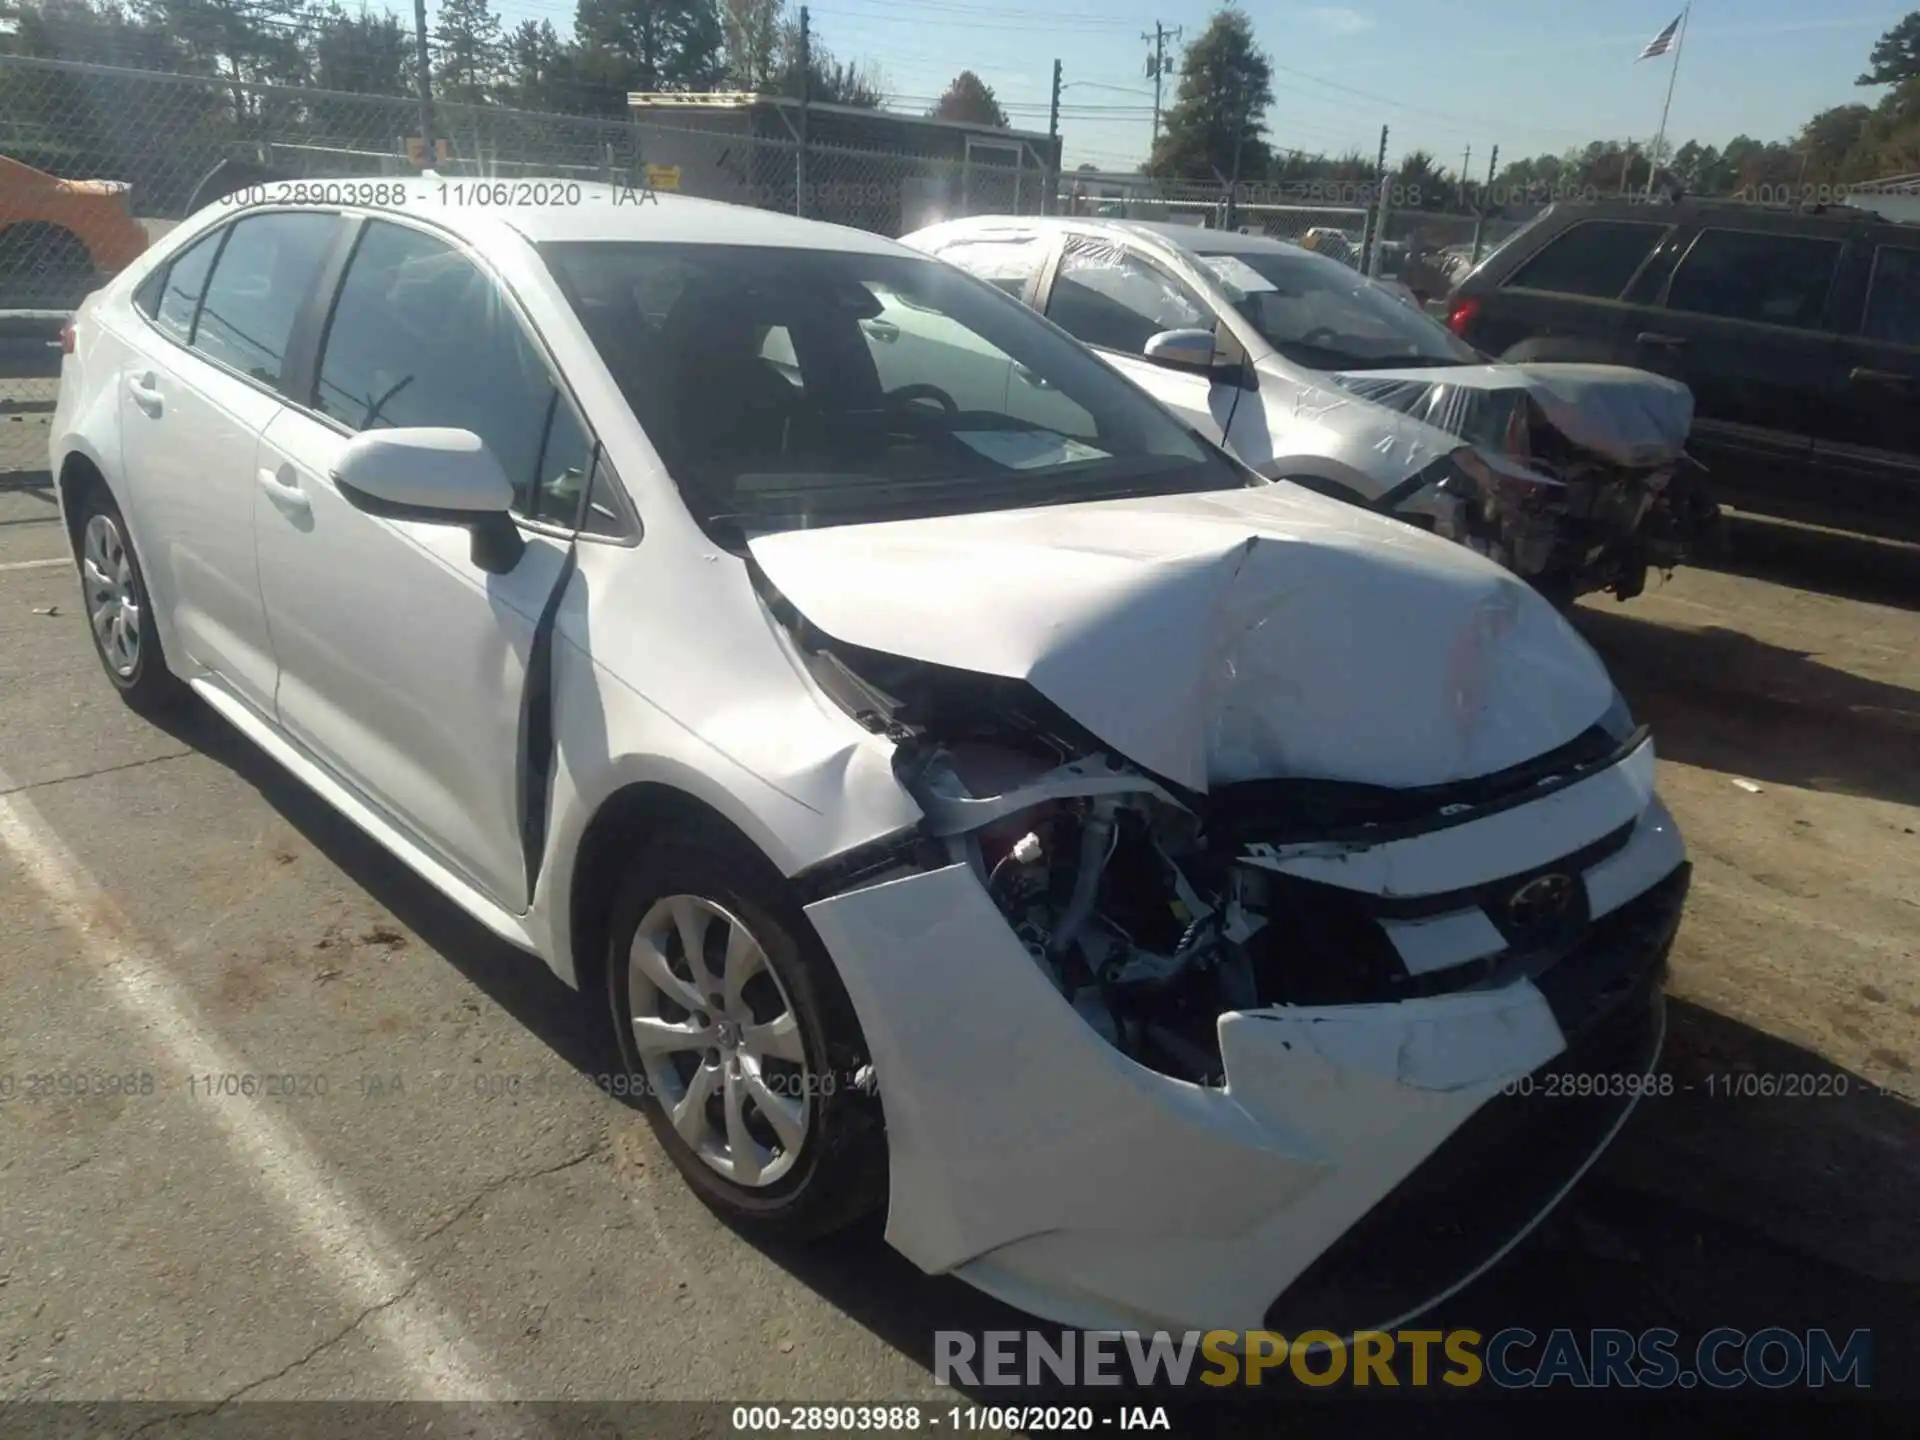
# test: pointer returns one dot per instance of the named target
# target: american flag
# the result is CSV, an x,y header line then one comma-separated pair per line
x,y
1662,42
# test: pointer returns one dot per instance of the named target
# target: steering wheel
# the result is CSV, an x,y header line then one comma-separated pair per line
x,y
1319,335
908,394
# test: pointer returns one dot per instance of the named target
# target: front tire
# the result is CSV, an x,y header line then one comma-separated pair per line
x,y
119,609
740,1041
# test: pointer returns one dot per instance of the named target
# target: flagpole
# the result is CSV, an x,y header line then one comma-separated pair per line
x,y
1659,141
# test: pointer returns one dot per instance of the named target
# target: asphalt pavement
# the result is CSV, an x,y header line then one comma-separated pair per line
x,y
281,1124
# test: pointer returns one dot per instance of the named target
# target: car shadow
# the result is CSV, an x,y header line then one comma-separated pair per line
x,y
1830,562
1714,1207
1723,700
513,979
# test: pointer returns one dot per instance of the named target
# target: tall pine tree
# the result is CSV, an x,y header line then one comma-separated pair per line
x,y
1216,125
467,49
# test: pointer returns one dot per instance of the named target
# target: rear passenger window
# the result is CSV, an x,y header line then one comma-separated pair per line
x,y
421,336
182,285
1746,275
1893,304
267,272
1595,257
1007,263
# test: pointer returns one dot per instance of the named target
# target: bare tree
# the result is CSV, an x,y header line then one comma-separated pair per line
x,y
752,30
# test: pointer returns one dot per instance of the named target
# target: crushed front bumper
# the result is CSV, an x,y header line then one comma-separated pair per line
x,y
1034,1160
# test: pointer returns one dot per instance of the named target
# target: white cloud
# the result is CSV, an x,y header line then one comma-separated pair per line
x,y
1338,20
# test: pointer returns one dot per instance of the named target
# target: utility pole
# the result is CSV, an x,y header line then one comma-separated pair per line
x,y
425,70
806,94
1466,168
1486,199
1376,218
1157,67
1626,165
1233,178
1049,196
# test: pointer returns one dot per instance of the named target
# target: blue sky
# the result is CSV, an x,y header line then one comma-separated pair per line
x,y
1527,75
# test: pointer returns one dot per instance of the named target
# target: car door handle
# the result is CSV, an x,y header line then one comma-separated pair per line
x,y
146,393
1661,340
1861,375
882,330
1038,382
284,493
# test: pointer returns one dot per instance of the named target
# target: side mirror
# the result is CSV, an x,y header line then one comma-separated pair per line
x,y
1181,349
437,477
1197,351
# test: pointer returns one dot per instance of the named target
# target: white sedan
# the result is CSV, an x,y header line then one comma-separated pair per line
x,y
962,786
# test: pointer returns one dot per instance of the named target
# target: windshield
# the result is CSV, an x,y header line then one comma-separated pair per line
x,y
1318,313
787,387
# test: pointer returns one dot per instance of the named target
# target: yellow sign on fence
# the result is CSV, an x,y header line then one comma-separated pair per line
x,y
663,177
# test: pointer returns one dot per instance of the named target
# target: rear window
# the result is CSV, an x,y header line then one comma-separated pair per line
x,y
1747,275
1595,258
178,296
268,269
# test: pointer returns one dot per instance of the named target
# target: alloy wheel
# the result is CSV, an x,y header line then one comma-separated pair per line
x,y
113,600
719,1040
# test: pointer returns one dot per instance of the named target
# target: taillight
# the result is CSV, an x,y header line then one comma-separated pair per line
x,y
1461,314
66,338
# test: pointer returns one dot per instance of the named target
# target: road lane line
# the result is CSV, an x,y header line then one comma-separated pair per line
x,y
343,1243
52,564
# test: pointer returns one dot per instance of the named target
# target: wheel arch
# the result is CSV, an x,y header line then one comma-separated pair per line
x,y
628,818
79,473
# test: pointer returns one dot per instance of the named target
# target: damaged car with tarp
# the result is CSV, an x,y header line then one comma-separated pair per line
x,y
1575,477
1178,900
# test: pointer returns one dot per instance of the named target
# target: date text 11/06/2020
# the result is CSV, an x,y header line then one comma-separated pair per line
x,y
396,194
1741,1084
904,1419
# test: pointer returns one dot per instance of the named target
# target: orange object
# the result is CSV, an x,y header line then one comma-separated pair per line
x,y
47,222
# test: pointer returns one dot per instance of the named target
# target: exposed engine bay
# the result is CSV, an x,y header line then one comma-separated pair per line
x,y
1152,909
1573,481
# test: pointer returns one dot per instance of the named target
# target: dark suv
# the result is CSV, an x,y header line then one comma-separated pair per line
x,y
1797,330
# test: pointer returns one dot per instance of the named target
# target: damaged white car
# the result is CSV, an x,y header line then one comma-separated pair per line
x,y
1180,900
1573,476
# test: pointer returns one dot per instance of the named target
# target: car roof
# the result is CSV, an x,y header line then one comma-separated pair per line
x,y
475,208
1193,239
1691,207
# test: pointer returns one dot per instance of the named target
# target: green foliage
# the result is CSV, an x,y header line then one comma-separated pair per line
x,y
654,44
467,49
1215,125
969,100
1896,54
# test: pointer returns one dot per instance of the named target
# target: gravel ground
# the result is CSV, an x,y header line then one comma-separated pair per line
x,y
175,908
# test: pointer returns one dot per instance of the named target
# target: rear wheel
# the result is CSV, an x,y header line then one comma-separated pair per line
x,y
740,1040
119,610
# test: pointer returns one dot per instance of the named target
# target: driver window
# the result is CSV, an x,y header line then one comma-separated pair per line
x,y
420,336
1108,296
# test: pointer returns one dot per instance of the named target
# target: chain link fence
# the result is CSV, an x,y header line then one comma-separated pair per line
x,y
139,142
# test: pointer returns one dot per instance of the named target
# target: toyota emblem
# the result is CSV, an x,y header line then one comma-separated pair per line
x,y
1540,900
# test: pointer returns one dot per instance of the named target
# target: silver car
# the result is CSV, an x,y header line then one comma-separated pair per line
x,y
1573,476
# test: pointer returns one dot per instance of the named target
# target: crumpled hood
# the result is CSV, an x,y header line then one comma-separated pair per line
x,y
1631,417
1235,635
